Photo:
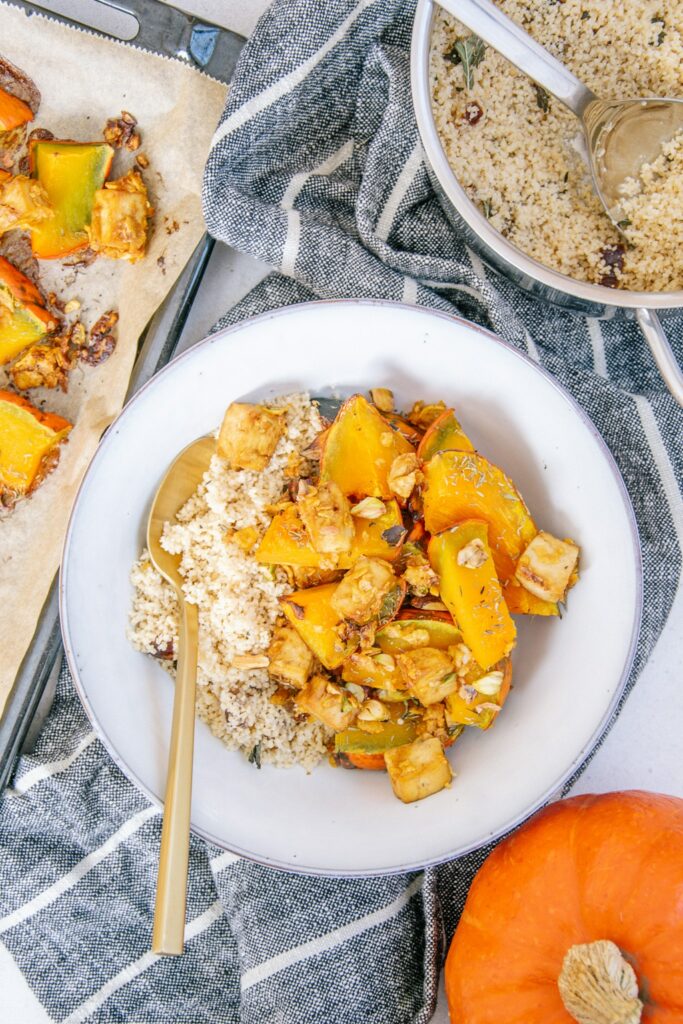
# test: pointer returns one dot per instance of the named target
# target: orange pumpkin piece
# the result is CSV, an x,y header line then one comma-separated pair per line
x,y
471,591
588,890
521,602
286,541
483,710
359,450
23,318
13,112
312,615
444,434
28,438
71,173
463,485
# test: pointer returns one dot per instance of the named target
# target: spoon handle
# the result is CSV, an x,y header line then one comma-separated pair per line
x,y
654,335
489,23
169,913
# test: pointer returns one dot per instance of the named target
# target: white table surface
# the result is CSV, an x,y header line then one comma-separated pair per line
x,y
643,750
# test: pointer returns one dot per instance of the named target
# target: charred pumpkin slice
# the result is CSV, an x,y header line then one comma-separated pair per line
x,y
13,112
23,317
312,615
359,450
71,173
286,541
27,439
471,591
444,434
463,485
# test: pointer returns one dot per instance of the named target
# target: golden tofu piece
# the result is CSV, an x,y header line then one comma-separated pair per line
x,y
290,659
249,435
418,769
23,203
429,674
546,566
330,703
120,218
326,513
359,596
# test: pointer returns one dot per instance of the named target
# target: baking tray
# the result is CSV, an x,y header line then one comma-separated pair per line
x,y
168,31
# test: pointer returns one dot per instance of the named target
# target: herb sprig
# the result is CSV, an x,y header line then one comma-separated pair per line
x,y
469,52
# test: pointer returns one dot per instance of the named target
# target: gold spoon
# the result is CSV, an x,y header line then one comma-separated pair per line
x,y
179,484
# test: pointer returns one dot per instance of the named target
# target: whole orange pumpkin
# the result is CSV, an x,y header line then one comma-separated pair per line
x,y
578,916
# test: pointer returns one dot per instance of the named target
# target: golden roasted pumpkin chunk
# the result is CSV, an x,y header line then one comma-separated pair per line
x,y
311,614
23,203
326,514
71,173
418,629
372,668
463,485
428,673
120,218
444,434
521,602
28,442
546,567
286,541
360,596
249,435
290,659
480,696
418,769
327,701
471,591
23,318
13,112
359,450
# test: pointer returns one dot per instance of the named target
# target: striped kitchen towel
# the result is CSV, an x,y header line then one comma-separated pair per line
x,y
316,168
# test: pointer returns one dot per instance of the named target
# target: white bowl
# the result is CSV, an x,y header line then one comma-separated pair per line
x,y
568,674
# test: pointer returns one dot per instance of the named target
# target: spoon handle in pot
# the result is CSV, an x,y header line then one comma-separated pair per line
x,y
168,934
666,361
489,23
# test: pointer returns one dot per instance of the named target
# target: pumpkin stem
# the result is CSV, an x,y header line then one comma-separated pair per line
x,y
598,986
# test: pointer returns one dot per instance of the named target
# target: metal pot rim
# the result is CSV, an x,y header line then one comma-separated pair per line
x,y
436,156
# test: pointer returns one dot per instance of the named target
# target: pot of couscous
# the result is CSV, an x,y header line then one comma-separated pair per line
x,y
507,163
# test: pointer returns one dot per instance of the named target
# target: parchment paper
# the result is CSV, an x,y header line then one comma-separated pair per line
x,y
84,80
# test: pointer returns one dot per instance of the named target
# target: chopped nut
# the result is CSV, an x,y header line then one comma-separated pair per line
x,y
249,661
373,711
357,690
369,508
120,131
102,343
71,306
489,684
386,439
468,694
420,576
383,399
462,658
403,475
472,555
142,161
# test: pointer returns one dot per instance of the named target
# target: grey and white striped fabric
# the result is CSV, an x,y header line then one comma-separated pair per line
x,y
317,169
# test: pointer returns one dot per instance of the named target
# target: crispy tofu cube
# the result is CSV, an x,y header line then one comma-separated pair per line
x,y
330,703
418,769
359,596
429,674
546,566
290,659
23,203
326,513
249,435
120,218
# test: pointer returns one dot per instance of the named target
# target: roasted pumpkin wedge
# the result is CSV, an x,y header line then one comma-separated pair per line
x,y
413,629
444,434
521,602
359,450
409,432
286,541
373,668
463,485
13,112
28,438
471,590
312,615
479,708
23,317
366,750
71,173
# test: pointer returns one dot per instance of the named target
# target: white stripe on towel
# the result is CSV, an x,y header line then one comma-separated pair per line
x,y
63,884
409,291
290,249
224,860
661,457
284,85
397,194
598,345
45,771
137,967
328,166
325,942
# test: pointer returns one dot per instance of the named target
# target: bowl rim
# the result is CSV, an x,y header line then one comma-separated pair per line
x,y
232,332
477,222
